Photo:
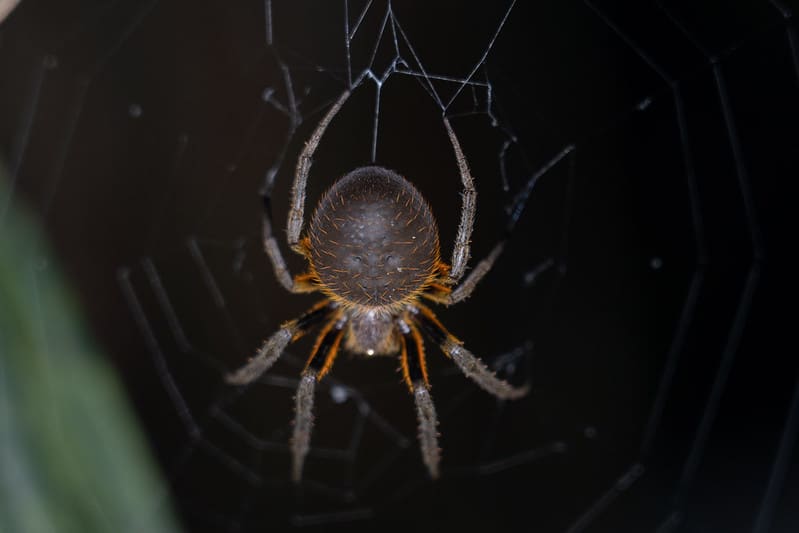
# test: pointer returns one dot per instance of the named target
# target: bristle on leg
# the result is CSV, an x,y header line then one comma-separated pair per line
x,y
264,358
428,432
303,423
474,369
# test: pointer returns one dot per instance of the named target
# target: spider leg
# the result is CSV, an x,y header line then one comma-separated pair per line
x,y
464,290
297,211
428,434
274,345
303,423
472,367
444,294
291,283
319,363
460,251
326,347
414,373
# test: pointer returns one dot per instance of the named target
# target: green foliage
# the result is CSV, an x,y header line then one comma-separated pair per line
x,y
71,456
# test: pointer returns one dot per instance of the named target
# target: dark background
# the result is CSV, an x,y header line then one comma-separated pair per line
x,y
644,291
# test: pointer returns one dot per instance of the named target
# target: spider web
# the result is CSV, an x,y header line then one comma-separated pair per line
x,y
634,151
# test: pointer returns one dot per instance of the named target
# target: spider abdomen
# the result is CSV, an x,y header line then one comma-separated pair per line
x,y
373,238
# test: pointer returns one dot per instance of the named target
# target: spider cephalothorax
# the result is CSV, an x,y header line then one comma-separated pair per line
x,y
373,250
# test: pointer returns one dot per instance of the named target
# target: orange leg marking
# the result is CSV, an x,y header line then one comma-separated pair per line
x,y
438,287
406,373
412,369
417,337
328,341
331,356
306,282
437,292
307,277
442,268
297,321
303,247
431,317
319,339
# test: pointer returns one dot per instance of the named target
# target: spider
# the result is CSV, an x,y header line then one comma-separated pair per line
x,y
372,248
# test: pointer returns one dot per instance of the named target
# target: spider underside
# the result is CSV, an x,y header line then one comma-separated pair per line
x,y
373,250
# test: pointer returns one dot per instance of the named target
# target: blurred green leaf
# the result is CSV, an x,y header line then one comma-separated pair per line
x,y
71,456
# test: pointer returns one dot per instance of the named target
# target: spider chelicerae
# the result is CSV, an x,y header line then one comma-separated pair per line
x,y
372,248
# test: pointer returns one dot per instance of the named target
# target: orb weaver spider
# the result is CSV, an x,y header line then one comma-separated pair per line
x,y
372,248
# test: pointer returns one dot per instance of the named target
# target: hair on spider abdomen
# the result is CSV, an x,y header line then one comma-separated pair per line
x,y
373,239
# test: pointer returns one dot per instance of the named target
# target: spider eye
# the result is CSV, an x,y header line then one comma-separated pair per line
x,y
392,261
357,258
